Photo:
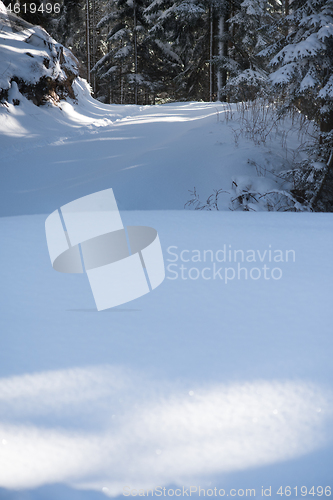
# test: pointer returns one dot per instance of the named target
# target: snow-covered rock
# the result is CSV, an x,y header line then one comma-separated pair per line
x,y
41,68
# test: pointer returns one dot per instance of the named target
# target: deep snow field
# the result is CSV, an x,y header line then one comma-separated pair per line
x,y
208,381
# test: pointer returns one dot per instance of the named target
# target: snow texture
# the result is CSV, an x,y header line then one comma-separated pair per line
x,y
201,382
219,378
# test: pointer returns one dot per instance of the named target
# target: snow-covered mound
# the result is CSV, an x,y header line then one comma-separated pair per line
x,y
32,63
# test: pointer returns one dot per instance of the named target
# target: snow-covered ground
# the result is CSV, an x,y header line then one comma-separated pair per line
x,y
213,380
150,155
203,382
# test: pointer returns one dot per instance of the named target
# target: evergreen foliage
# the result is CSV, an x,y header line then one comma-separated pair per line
x,y
302,60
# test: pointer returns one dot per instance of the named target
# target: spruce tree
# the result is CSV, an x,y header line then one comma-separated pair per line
x,y
69,29
302,78
185,28
124,70
247,72
302,60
